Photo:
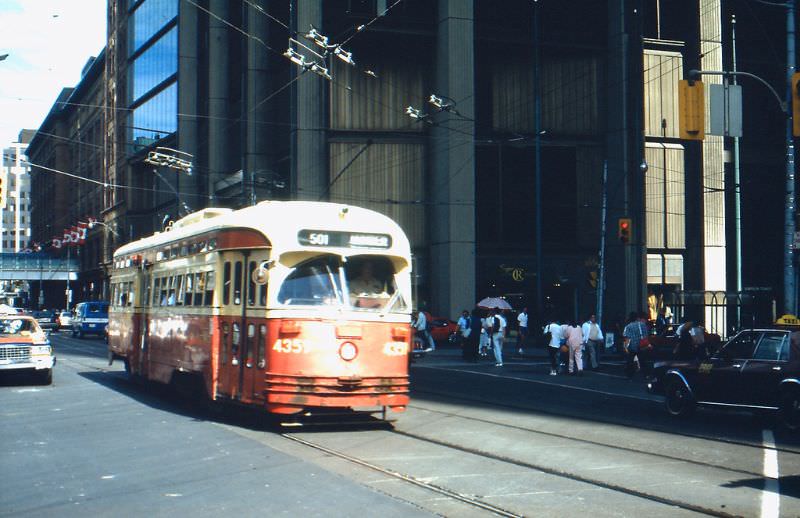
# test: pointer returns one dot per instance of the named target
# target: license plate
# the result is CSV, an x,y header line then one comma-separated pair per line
x,y
92,326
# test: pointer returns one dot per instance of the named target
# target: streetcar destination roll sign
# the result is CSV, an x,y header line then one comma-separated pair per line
x,y
308,237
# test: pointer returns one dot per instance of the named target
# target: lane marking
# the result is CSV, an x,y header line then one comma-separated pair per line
x,y
771,496
541,382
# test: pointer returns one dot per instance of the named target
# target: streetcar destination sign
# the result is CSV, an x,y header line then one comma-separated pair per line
x,y
308,237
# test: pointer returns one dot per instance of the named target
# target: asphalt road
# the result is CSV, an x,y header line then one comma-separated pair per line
x,y
477,440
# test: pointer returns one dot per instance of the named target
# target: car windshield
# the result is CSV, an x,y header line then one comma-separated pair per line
x,y
17,327
362,283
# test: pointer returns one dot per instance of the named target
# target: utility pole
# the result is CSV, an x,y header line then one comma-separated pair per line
x,y
737,181
601,278
789,295
537,108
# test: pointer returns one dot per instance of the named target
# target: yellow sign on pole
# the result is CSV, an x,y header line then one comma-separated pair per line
x,y
691,110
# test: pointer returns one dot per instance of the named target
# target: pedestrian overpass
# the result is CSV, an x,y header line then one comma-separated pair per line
x,y
37,267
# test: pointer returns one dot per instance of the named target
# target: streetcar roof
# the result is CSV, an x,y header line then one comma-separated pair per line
x,y
280,222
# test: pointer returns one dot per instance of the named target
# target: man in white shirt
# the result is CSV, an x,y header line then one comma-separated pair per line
x,y
498,336
522,337
556,331
420,323
592,339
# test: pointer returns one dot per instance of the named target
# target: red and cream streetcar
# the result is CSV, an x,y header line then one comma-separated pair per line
x,y
287,306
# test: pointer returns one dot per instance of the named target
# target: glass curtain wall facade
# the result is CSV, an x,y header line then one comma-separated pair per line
x,y
152,71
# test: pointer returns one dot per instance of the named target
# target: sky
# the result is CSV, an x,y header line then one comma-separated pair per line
x,y
48,43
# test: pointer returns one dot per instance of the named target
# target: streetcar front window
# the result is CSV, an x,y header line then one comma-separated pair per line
x,y
313,283
371,283
364,282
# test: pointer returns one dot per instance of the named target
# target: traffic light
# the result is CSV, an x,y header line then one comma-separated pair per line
x,y
796,104
691,110
624,230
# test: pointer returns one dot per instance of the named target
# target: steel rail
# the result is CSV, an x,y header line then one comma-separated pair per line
x,y
406,478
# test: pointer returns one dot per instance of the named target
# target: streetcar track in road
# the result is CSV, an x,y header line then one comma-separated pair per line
x,y
587,441
500,458
406,478
651,426
571,476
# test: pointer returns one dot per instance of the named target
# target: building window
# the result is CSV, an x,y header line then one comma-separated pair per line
x,y
155,65
156,118
664,269
149,18
665,205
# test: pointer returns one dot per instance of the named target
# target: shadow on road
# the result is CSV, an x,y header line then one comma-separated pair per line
x,y
789,486
198,407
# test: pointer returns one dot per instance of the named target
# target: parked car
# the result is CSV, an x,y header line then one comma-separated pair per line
x,y
65,319
47,320
90,318
758,369
665,344
441,328
24,347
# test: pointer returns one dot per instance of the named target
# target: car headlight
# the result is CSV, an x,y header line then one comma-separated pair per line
x,y
40,350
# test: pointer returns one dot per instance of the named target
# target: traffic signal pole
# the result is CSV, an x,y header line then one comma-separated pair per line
x,y
789,295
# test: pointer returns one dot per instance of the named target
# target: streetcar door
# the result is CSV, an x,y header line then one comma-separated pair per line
x,y
231,323
143,338
254,328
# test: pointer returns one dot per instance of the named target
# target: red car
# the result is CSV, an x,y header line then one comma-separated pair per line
x,y
441,328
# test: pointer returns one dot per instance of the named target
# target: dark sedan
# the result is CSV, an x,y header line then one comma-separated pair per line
x,y
48,320
758,369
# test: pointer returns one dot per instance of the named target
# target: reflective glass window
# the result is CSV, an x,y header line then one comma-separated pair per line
x,y
156,118
155,65
148,19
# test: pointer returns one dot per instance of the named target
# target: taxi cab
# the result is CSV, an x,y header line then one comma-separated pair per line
x,y
758,369
25,347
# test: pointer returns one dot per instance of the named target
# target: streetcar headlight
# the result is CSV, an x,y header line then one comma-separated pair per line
x,y
348,351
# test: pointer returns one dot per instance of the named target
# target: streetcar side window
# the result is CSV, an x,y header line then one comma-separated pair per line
x,y
261,353
171,296
262,295
251,335
188,289
209,296
226,283
251,289
235,340
146,299
237,283
225,339
199,283
164,290
180,287
156,291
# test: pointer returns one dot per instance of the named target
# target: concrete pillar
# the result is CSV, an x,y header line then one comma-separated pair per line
x,y
188,105
309,173
218,95
257,88
452,180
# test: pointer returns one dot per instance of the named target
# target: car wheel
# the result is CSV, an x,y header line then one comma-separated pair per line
x,y
679,401
46,377
790,409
